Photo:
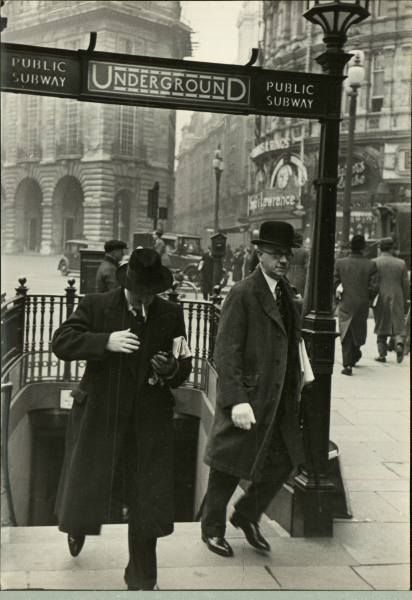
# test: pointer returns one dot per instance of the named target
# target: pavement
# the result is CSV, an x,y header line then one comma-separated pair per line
x,y
370,422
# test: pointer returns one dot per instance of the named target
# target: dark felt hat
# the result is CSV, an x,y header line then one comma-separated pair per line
x,y
357,243
114,245
144,271
276,233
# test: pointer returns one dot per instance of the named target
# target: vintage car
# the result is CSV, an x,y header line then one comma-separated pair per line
x,y
70,261
184,251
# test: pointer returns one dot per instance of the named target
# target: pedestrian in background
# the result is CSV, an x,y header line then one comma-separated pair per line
x,y
161,248
119,438
238,259
206,274
255,434
356,284
106,279
299,266
390,307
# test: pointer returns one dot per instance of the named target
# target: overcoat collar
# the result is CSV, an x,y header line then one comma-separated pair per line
x,y
265,297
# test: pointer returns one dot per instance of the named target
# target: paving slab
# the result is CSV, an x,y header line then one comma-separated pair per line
x,y
371,471
400,500
319,578
360,433
387,577
371,507
216,578
107,579
379,485
401,469
374,543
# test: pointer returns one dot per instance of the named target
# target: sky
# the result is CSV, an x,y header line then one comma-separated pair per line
x,y
215,37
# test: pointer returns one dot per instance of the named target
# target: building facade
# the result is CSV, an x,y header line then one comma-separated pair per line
x,y
83,170
286,150
234,134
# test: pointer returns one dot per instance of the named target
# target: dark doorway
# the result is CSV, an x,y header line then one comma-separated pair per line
x,y
48,430
186,429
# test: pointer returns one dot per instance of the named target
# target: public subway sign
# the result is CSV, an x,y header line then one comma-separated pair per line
x,y
160,82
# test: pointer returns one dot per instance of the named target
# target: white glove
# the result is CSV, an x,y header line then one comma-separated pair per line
x,y
243,415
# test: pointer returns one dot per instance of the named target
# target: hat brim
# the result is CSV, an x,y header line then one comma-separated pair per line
x,y
261,242
160,282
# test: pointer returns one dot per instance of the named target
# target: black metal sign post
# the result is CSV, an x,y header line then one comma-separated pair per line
x,y
158,82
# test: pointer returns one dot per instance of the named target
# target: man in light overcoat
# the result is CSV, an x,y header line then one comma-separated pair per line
x,y
356,282
119,442
256,431
389,310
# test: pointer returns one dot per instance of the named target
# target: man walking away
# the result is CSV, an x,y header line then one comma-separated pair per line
x,y
389,310
206,274
356,284
255,434
161,248
106,273
119,439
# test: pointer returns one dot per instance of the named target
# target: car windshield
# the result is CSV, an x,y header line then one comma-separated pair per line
x,y
189,245
74,247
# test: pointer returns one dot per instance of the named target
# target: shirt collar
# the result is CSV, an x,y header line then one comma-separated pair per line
x,y
272,283
132,308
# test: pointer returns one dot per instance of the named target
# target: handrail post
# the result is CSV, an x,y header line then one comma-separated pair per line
x,y
22,289
173,295
70,296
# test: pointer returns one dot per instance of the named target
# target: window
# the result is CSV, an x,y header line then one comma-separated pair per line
x,y
404,160
28,140
126,130
380,8
378,82
70,129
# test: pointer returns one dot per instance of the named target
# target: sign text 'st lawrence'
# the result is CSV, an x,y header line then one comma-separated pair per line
x,y
151,82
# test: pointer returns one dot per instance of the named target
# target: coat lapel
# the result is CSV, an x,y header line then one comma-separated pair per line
x,y
266,299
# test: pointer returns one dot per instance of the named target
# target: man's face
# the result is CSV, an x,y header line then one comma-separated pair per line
x,y
275,261
118,254
137,298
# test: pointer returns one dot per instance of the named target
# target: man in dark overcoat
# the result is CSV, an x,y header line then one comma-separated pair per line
x,y
389,310
120,431
106,279
256,434
356,285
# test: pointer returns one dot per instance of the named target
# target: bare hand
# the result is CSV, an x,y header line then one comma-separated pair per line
x,y
163,363
243,415
123,341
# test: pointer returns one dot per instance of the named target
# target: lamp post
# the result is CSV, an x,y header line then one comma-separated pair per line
x,y
313,489
218,166
356,74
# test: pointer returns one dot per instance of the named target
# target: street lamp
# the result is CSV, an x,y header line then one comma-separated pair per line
x,y
218,166
313,489
356,74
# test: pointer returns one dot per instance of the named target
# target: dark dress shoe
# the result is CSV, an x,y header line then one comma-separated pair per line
x,y
380,359
218,545
346,371
75,544
251,531
399,353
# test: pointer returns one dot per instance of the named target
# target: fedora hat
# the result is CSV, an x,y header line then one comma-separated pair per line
x,y
144,271
276,233
357,243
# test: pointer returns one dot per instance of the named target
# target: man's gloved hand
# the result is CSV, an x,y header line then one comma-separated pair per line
x,y
163,363
123,341
243,415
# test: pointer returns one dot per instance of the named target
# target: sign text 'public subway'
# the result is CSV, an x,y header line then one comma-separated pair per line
x,y
160,82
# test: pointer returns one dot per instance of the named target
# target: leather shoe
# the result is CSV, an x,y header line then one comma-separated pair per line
x,y
381,359
399,353
218,545
346,371
75,544
251,531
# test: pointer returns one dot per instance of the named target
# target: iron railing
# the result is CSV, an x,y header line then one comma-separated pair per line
x,y
28,322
